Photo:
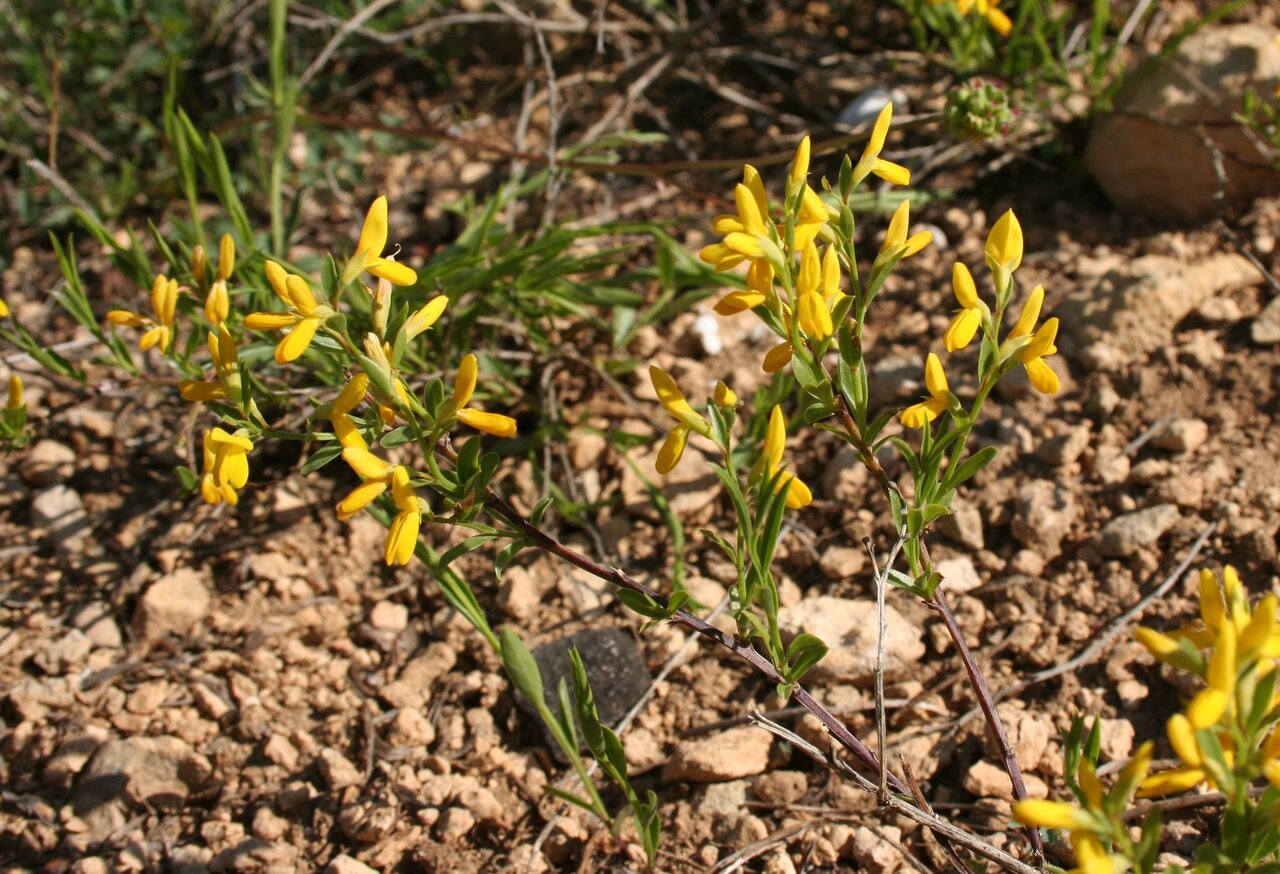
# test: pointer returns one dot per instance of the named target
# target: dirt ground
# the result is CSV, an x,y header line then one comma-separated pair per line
x,y
184,687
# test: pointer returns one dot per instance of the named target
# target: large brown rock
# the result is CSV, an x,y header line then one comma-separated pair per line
x,y
1149,156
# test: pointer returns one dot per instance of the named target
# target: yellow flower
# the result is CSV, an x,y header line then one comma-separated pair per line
x,y
464,385
305,315
351,396
368,254
226,464
798,494
670,396
800,163
226,365
940,396
4,309
199,261
896,242
425,317
759,287
378,476
972,313
402,537
871,162
1043,813
815,315
218,305
1091,856
779,356
724,396
14,400
988,9
1032,352
740,227
1181,731
1004,245
811,220
164,303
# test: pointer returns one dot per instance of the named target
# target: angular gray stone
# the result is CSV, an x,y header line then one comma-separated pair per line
x,y
172,605
848,628
1125,535
157,771
1265,329
60,512
1043,515
728,755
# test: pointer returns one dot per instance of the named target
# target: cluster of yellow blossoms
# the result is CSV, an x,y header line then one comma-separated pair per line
x,y
226,465
1226,737
1243,645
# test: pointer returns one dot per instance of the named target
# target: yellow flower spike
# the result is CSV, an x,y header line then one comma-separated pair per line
x,y
1182,737
724,396
425,317
871,162
199,263
815,317
164,302
800,163
402,537
464,387
305,318
1042,376
14,399
368,255
1212,609
940,397
1087,777
1004,244
964,325
798,494
1050,814
1091,856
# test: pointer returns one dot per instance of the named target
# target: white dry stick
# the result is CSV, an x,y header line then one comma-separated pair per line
x,y
882,580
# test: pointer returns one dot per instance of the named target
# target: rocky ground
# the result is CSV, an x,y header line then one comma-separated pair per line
x,y
197,688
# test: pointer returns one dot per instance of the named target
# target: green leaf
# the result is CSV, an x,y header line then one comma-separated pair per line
x,y
969,468
576,800
641,603
469,545
521,667
322,456
187,478
398,437
539,509
805,651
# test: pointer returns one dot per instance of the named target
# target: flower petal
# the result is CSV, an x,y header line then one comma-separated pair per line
x,y
464,384
961,331
672,449
296,341
490,423
360,497
373,234
269,321
392,271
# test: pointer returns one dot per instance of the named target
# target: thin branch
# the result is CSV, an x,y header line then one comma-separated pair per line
x,y
938,826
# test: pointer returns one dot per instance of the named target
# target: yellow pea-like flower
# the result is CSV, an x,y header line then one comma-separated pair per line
x,y
871,162
940,396
1004,244
797,493
425,317
464,387
305,314
973,313
368,255
159,329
